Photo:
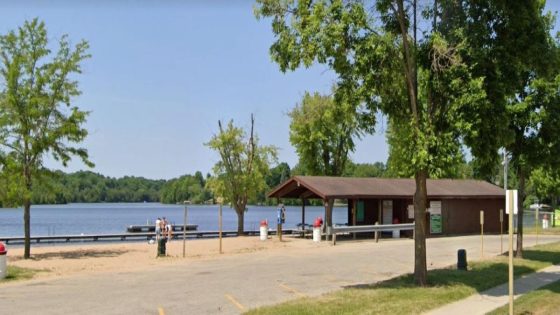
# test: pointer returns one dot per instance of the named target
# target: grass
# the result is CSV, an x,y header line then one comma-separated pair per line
x,y
15,273
541,301
401,296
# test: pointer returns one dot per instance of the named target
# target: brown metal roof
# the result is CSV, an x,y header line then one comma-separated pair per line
x,y
324,187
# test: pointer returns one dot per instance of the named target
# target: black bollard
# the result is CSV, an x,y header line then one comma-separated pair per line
x,y
462,259
161,249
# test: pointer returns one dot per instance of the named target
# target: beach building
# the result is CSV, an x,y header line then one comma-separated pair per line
x,y
454,205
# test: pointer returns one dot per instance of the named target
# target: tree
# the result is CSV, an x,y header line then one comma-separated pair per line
x,y
423,86
376,169
36,115
511,47
240,173
323,130
545,184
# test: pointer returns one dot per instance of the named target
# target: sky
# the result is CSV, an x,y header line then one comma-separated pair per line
x,y
163,73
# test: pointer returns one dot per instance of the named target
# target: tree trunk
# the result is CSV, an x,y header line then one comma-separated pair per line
x,y
27,213
240,221
27,228
420,201
328,219
520,199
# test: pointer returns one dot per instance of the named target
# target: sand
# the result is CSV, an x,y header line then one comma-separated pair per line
x,y
91,257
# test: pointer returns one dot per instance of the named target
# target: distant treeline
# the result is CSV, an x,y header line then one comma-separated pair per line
x,y
87,186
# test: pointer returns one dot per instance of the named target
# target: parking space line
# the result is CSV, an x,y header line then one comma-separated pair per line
x,y
234,302
292,290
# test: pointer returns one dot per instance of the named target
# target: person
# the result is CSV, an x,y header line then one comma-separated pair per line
x,y
158,229
169,230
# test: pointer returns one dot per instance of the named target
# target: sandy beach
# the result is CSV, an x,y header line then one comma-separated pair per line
x,y
61,260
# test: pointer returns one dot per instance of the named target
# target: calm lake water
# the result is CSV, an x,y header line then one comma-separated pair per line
x,y
101,218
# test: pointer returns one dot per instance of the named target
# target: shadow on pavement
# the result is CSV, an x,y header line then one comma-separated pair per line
x,y
74,254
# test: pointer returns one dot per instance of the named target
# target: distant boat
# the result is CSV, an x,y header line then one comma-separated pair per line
x,y
152,228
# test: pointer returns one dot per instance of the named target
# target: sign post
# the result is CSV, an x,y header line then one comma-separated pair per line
x,y
511,210
501,231
220,201
481,233
185,230
537,224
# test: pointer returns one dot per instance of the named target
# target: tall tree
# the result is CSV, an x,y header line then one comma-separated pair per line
x,y
545,184
36,115
511,47
423,86
322,129
240,174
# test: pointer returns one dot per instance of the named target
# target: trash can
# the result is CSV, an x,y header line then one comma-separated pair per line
x,y
462,259
264,230
3,268
161,247
317,229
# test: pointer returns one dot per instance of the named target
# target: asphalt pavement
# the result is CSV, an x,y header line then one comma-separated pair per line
x,y
233,284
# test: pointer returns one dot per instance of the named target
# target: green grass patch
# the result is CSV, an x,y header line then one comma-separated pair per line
x,y
541,301
15,273
401,296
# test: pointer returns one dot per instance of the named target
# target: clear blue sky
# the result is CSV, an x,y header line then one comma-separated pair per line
x,y
162,75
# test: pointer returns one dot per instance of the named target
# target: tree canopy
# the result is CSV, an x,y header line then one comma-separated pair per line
x,y
36,113
240,173
322,130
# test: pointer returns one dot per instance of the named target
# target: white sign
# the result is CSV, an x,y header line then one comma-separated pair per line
x,y
435,207
481,217
511,202
410,211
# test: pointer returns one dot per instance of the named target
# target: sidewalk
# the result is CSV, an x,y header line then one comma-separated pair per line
x,y
484,302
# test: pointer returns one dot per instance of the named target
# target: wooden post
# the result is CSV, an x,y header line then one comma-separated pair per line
x,y
376,233
481,233
303,217
185,231
279,231
537,225
354,213
220,201
501,231
510,254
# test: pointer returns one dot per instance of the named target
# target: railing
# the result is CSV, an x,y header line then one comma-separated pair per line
x,y
370,228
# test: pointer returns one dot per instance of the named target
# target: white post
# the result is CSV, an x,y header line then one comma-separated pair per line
x,y
510,208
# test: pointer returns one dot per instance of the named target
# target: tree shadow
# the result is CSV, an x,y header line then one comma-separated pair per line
x,y
482,277
75,254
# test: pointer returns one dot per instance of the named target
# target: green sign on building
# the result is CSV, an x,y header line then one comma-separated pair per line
x,y
435,223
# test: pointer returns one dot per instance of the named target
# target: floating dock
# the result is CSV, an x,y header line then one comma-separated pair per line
x,y
152,228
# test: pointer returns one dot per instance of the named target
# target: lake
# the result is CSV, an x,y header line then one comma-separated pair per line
x,y
102,218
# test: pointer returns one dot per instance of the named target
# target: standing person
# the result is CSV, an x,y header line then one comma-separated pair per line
x,y
169,229
158,229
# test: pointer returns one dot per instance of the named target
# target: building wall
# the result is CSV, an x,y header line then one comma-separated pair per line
x,y
462,216
459,216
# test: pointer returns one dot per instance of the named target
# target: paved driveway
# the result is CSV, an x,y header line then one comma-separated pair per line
x,y
229,285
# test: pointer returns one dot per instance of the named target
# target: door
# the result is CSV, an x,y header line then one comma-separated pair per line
x,y
387,212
